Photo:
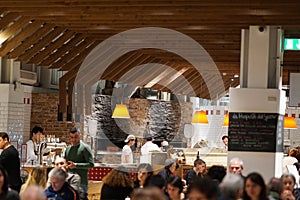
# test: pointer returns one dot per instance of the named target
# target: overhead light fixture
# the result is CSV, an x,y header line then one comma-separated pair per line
x,y
121,111
226,120
200,117
289,123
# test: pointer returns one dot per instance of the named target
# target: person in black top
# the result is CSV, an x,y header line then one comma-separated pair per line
x,y
199,169
9,159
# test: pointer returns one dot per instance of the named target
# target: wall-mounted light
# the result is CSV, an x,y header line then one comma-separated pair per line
x,y
200,117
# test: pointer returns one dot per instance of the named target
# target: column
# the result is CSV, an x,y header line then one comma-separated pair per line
x,y
11,101
256,110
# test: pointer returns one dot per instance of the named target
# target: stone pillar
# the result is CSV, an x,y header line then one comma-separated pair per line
x,y
257,109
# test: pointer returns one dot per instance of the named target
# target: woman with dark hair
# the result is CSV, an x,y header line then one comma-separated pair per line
x,y
144,172
5,192
174,187
255,187
117,184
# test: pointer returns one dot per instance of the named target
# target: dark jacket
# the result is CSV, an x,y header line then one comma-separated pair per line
x,y
115,193
65,193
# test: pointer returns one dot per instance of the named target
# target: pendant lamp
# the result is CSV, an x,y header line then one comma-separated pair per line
x,y
289,123
226,120
120,111
200,117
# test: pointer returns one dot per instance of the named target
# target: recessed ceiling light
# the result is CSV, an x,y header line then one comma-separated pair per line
x,y
236,76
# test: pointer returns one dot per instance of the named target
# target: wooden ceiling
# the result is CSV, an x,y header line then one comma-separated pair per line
x,y
61,33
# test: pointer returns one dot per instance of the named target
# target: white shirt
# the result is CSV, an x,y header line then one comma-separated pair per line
x,y
30,155
148,146
126,151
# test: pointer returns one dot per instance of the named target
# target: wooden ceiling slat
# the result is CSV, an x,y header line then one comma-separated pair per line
x,y
120,62
30,41
51,47
14,28
41,44
62,50
216,25
79,59
73,52
134,62
15,41
10,17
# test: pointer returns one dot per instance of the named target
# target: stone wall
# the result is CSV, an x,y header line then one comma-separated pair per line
x,y
164,120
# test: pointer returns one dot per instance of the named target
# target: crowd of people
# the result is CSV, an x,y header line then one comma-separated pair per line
x,y
68,180
200,182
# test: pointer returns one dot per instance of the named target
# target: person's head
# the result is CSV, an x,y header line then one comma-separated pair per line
x,y
130,140
57,177
202,188
293,152
232,186
37,177
33,192
36,134
275,185
156,181
289,181
4,140
118,177
144,171
74,136
170,164
150,193
61,163
236,166
174,186
225,140
255,187
3,179
148,137
200,166
216,172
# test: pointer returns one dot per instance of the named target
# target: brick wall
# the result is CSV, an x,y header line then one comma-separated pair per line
x,y
44,114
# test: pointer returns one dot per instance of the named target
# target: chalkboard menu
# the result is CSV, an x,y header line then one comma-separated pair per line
x,y
260,132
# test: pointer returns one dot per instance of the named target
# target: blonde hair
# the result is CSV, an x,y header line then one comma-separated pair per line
x,y
36,177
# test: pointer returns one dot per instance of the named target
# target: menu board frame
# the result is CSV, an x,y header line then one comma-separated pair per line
x,y
255,132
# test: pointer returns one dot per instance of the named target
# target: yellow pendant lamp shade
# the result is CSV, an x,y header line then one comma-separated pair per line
x,y
289,123
120,111
226,120
200,117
